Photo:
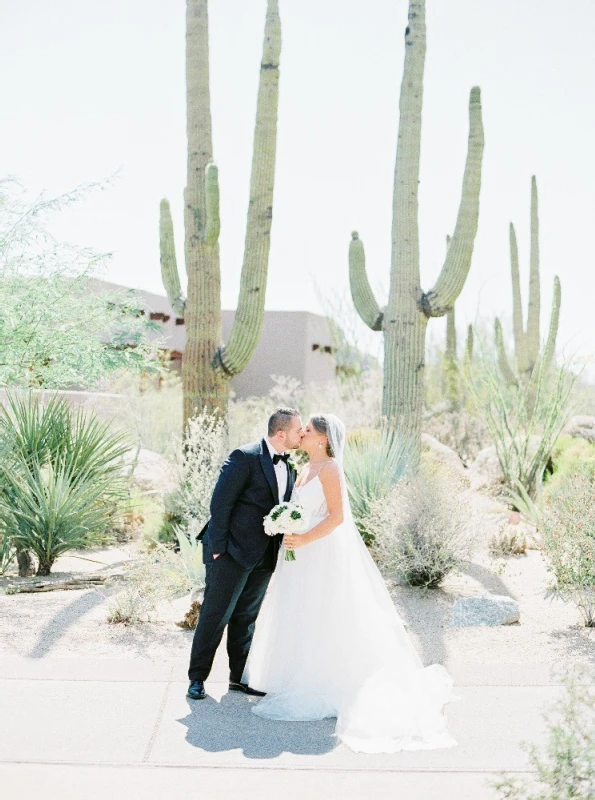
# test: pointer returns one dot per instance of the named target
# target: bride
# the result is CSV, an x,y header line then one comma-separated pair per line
x,y
328,640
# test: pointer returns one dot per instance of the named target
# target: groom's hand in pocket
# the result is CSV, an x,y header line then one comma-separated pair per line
x,y
216,555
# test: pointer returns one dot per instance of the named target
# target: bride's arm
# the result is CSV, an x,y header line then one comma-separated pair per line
x,y
331,485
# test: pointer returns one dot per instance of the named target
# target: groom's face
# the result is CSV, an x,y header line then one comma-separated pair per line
x,y
294,434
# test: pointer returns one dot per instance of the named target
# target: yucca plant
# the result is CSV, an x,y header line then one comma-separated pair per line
x,y
374,463
61,484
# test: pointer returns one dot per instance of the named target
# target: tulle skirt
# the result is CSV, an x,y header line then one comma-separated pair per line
x,y
329,643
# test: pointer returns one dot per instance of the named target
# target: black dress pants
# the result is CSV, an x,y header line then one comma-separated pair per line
x,y
233,596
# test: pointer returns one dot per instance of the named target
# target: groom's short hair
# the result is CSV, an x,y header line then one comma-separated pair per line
x,y
280,419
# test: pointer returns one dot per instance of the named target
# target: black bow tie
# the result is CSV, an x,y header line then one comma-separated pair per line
x,y
278,457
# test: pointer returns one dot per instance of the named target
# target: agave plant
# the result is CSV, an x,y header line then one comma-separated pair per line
x,y
191,556
7,553
61,485
373,464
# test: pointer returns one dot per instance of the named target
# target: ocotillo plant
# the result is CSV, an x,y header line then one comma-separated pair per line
x,y
207,364
527,342
405,319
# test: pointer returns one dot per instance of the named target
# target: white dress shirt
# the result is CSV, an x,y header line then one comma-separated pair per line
x,y
280,471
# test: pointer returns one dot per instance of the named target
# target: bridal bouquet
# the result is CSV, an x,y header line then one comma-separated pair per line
x,y
286,518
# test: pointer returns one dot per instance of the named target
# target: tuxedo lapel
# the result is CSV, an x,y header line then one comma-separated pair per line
x,y
269,470
290,482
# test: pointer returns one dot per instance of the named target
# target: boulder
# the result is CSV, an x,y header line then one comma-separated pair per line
x,y
486,469
487,609
444,455
150,471
581,427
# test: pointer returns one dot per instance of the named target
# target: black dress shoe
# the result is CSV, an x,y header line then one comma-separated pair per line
x,y
196,690
236,686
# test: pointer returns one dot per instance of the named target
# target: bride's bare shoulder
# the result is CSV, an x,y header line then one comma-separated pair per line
x,y
330,473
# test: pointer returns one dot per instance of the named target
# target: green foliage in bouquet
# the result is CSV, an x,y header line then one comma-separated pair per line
x,y
61,483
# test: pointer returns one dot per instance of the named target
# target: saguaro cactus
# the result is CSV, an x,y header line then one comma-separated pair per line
x,y
207,363
527,342
405,319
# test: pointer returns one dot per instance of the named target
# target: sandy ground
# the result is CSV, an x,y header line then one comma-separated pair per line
x,y
73,623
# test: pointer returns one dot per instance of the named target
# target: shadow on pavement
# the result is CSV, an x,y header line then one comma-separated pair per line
x,y
56,627
230,725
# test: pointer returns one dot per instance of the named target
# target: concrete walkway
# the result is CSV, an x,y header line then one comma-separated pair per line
x,y
94,729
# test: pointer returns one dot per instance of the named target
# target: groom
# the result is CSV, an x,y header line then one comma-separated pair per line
x,y
239,557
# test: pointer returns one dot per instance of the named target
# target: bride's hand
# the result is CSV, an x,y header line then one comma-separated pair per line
x,y
293,541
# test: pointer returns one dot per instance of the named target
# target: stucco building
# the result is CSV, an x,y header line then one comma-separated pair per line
x,y
296,344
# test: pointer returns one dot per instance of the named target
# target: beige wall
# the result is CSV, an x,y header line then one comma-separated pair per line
x,y
292,344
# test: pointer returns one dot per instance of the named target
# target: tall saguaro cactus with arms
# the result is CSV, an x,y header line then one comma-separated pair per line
x,y
527,340
208,364
404,320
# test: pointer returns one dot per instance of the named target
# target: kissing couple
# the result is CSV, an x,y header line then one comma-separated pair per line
x,y
317,636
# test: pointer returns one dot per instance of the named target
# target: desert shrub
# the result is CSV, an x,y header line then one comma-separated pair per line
x,y
524,420
565,770
569,540
199,462
374,462
61,484
157,575
422,531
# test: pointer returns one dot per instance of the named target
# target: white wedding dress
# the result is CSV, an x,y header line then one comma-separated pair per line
x,y
329,643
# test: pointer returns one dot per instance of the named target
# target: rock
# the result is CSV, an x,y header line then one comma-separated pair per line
x,y
581,427
486,469
444,455
487,609
152,472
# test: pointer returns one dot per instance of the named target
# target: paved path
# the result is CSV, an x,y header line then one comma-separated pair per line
x,y
96,729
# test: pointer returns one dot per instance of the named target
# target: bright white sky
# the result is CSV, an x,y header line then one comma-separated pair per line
x,y
89,88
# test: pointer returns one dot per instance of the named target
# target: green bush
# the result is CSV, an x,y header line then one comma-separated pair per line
x,y
569,540
567,456
61,482
566,770
374,462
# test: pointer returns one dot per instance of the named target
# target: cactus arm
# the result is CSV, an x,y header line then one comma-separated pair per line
x,y
469,345
550,347
169,267
533,312
460,251
361,291
520,341
503,363
213,222
249,316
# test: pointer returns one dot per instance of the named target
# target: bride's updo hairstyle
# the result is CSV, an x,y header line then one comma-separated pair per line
x,y
320,424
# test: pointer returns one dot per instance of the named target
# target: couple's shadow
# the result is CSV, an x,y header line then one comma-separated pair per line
x,y
230,725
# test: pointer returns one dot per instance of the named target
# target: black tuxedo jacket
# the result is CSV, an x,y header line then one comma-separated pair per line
x,y
245,492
